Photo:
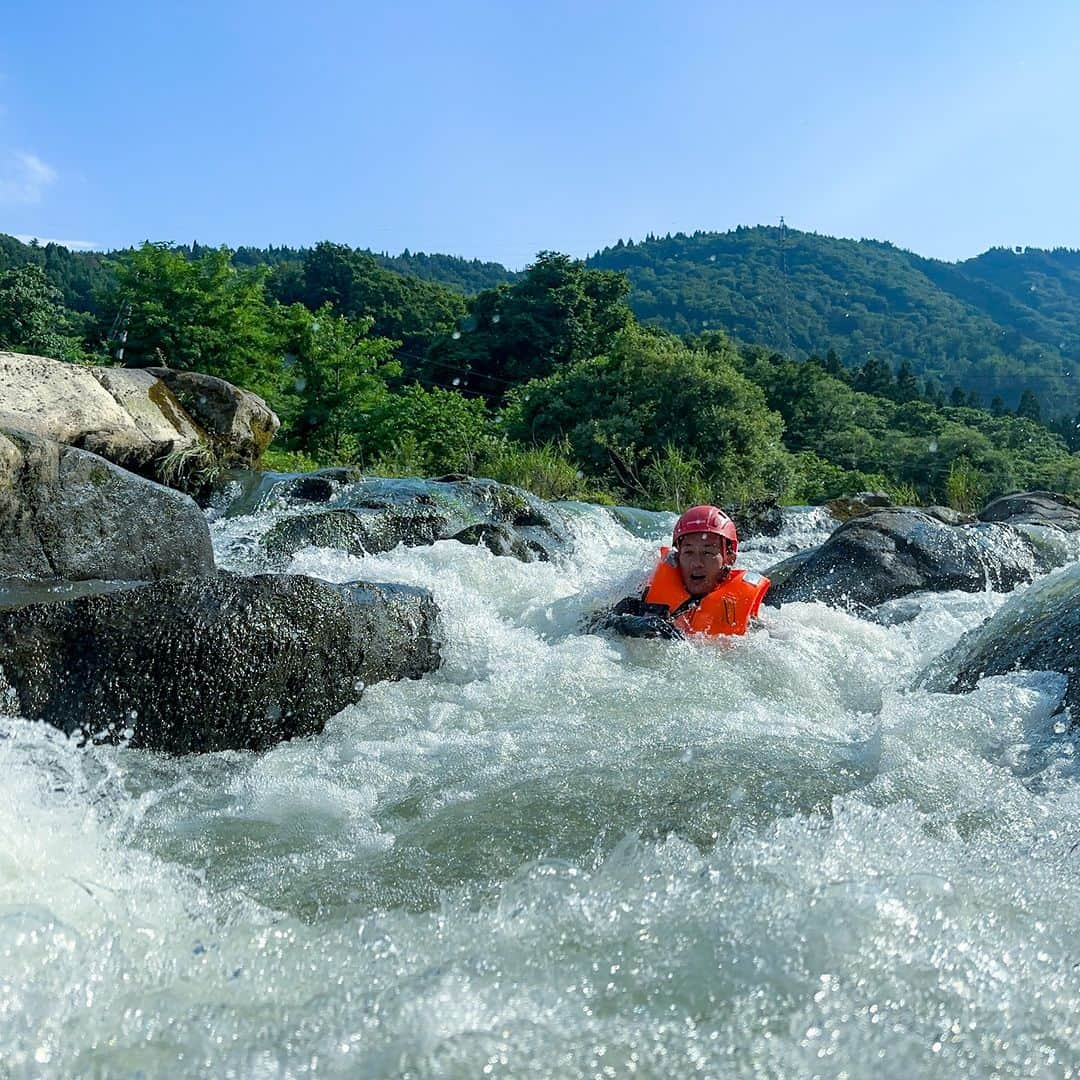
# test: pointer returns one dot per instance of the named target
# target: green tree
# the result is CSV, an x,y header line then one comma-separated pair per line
x,y
339,378
203,315
625,411
411,311
875,377
557,313
907,386
1029,406
428,431
32,315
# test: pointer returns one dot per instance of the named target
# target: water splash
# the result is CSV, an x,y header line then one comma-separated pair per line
x,y
565,855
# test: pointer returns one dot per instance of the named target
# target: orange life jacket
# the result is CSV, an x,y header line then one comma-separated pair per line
x,y
726,610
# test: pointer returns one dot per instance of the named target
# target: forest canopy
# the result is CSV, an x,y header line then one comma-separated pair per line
x,y
551,378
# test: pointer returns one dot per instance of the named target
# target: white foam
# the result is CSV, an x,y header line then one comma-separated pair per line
x,y
562,854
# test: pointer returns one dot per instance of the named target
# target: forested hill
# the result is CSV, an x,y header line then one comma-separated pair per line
x,y
465,276
993,325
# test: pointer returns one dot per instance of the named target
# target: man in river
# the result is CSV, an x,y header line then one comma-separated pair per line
x,y
694,588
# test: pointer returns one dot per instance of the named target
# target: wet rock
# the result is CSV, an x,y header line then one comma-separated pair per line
x,y
1035,508
499,540
374,515
948,516
69,514
358,532
1038,630
893,552
16,593
317,488
223,662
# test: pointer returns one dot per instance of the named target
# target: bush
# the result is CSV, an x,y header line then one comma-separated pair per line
x,y
292,461
548,470
425,432
815,481
965,486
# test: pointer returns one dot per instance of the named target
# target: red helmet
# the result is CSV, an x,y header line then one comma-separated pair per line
x,y
707,519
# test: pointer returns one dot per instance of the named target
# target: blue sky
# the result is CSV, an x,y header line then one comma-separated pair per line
x,y
495,130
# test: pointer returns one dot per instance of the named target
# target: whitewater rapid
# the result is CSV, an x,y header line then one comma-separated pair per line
x,y
566,855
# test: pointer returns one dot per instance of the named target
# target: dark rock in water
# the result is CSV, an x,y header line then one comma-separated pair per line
x,y
893,552
1035,508
359,532
223,662
16,593
375,515
862,502
779,574
762,517
948,516
499,540
317,487
1039,630
69,514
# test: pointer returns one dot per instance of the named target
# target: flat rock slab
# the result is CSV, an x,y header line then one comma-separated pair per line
x,y
1038,630
223,662
69,514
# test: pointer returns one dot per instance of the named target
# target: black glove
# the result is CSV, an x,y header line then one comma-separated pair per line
x,y
642,626
632,617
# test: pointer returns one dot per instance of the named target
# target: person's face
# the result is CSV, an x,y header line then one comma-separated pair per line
x,y
702,562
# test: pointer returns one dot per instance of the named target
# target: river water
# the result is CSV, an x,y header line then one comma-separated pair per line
x,y
563,855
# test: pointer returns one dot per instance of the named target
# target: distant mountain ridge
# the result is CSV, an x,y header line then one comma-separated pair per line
x,y
995,324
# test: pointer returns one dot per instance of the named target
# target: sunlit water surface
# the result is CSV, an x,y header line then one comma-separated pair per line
x,y
564,855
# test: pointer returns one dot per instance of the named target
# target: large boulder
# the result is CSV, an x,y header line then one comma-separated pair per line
x,y
1037,630
223,662
365,517
71,515
895,551
238,423
134,418
67,403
